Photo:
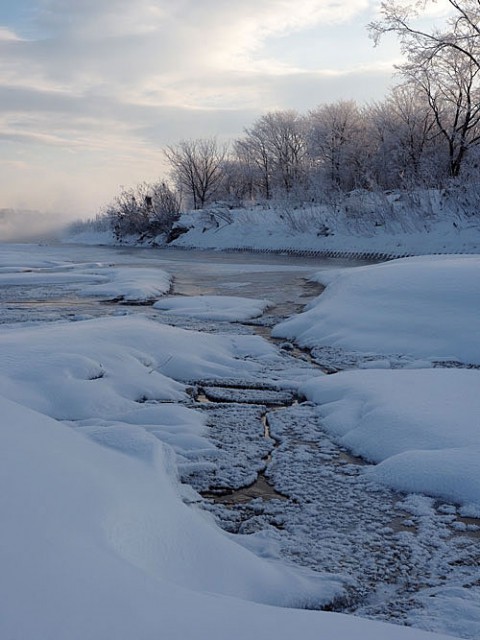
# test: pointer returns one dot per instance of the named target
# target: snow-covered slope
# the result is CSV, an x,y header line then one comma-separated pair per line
x,y
316,231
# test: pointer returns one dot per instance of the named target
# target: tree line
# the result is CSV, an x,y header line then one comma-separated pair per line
x,y
424,134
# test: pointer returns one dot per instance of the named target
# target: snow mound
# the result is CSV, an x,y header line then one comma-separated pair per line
x,y
102,368
220,308
98,544
421,426
427,307
131,284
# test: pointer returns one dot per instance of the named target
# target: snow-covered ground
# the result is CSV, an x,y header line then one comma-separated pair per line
x,y
97,543
132,284
420,423
98,423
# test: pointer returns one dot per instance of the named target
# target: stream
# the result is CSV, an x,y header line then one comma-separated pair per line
x,y
280,476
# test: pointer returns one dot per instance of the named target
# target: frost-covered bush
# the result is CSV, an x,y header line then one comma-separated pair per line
x,y
147,209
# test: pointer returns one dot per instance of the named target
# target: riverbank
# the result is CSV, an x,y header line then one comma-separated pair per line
x,y
312,230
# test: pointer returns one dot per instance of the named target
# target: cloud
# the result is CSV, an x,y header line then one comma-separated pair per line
x,y
117,44
98,87
6,35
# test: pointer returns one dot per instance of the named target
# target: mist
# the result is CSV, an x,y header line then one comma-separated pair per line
x,y
17,225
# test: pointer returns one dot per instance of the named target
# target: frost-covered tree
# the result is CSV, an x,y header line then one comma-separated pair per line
x,y
254,154
275,145
286,142
451,86
404,134
196,167
444,63
240,179
163,208
460,32
337,145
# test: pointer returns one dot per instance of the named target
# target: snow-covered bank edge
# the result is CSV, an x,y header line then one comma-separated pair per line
x,y
106,239
355,253
309,253
311,231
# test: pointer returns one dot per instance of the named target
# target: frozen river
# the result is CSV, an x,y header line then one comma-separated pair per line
x,y
276,473
280,279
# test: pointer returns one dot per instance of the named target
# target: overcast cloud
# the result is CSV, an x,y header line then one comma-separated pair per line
x,y
91,91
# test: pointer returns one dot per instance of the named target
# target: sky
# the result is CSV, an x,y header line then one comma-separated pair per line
x,y
91,91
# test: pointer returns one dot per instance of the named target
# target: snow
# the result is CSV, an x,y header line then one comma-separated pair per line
x,y
95,543
111,516
222,308
420,425
97,540
102,368
131,284
394,226
427,307
90,237
457,605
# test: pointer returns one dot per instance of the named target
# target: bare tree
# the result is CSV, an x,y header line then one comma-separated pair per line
x,y
197,168
276,145
445,65
461,32
337,145
450,83
405,135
